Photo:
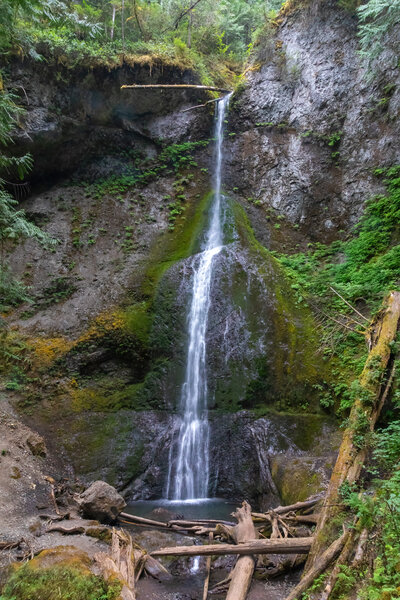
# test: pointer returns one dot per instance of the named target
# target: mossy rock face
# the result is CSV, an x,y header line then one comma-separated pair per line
x,y
262,342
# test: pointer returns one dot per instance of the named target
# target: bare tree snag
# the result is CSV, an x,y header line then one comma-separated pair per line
x,y
351,457
180,86
242,572
280,546
319,567
120,563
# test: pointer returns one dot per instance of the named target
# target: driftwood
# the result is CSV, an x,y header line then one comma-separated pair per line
x,y
276,569
351,458
72,529
321,564
280,546
243,533
180,86
59,517
142,520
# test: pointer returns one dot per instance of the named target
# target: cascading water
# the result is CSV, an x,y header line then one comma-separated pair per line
x,y
189,458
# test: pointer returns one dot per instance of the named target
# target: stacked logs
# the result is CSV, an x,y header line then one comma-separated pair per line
x,y
243,540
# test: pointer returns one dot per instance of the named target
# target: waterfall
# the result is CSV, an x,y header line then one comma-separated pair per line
x,y
189,456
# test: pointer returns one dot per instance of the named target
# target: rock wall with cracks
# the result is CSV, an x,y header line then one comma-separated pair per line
x,y
310,126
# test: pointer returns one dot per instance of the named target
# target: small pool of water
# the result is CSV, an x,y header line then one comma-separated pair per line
x,y
198,508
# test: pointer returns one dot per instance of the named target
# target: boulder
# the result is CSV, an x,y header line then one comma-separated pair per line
x,y
101,501
36,445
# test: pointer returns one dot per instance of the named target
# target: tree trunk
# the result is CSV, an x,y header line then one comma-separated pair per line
x,y
351,457
123,25
114,8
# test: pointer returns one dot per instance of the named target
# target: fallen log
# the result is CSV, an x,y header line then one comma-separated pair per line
x,y
180,86
198,522
352,456
319,567
266,546
142,520
342,560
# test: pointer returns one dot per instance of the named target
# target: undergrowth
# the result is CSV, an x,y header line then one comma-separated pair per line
x,y
378,510
363,268
170,160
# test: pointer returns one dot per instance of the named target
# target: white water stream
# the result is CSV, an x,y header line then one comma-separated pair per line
x,y
188,474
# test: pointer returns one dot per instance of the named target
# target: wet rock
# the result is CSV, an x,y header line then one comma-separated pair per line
x,y
36,445
101,501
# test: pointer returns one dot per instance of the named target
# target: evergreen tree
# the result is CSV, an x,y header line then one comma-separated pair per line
x,y
13,221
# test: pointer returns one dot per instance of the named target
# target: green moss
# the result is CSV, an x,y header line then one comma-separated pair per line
x,y
138,321
100,533
113,446
176,245
58,582
105,398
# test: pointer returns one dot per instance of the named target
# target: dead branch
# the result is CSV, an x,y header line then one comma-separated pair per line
x,y
348,304
200,105
10,545
74,529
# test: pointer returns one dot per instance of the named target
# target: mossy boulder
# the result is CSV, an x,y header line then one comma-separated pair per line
x,y
60,573
299,477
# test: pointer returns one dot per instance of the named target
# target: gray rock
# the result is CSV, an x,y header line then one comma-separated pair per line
x,y
101,502
315,86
